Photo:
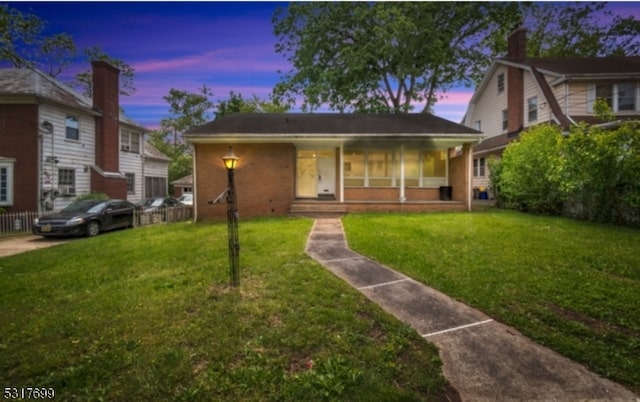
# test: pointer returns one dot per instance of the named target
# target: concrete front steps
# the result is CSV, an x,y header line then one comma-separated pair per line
x,y
317,208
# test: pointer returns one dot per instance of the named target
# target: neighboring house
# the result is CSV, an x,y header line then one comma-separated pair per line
x,y
519,92
183,185
321,162
56,144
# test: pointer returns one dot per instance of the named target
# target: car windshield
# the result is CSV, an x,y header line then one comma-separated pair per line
x,y
186,197
151,202
91,206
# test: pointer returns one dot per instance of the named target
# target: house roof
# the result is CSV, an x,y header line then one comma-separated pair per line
x,y
330,125
33,82
152,152
186,180
17,82
588,66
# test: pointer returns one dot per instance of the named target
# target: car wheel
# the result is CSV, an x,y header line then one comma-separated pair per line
x,y
93,228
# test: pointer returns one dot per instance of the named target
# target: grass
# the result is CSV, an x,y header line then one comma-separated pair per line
x,y
567,284
146,314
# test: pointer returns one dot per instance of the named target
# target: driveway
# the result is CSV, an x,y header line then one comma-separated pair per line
x,y
20,244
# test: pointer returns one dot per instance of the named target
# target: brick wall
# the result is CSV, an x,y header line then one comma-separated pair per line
x,y
459,174
19,131
264,179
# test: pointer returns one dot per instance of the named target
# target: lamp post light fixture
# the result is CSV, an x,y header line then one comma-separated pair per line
x,y
231,162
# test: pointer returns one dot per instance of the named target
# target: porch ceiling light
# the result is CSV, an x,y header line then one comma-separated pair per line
x,y
230,160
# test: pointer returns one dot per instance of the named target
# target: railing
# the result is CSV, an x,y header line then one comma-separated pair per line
x,y
15,223
174,214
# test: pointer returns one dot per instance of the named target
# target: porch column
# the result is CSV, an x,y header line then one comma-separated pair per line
x,y
341,170
403,198
469,149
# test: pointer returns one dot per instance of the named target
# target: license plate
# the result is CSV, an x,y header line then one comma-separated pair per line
x,y
46,228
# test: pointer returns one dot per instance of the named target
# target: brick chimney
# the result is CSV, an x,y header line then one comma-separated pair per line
x,y
516,52
106,177
517,44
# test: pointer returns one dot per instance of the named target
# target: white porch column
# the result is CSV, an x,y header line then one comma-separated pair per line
x,y
403,198
341,170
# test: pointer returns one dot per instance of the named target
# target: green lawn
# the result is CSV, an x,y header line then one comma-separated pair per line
x,y
573,286
146,314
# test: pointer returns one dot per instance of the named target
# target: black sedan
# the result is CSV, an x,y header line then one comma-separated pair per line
x,y
86,217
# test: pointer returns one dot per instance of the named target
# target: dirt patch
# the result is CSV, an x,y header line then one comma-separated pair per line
x,y
595,325
20,244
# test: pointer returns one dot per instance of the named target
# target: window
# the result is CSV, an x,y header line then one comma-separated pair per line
x,y
155,187
500,82
67,181
380,164
505,120
532,108
477,125
72,128
6,181
354,168
381,168
131,183
478,167
627,96
130,141
621,97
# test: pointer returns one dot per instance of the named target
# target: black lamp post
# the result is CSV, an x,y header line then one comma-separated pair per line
x,y
231,162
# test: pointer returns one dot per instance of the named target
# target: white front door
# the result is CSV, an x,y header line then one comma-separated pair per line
x,y
326,173
315,173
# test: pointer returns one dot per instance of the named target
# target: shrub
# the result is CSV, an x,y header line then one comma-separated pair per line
x,y
527,177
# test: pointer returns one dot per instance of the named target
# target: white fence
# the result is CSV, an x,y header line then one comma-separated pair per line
x,y
15,223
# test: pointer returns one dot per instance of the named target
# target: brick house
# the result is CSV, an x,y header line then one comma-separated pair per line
x,y
56,144
297,163
519,92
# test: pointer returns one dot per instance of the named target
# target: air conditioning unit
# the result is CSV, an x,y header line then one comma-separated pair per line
x,y
124,147
68,190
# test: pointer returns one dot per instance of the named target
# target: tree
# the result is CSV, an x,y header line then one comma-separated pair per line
x,y
579,30
23,43
84,79
236,103
385,56
187,109
390,56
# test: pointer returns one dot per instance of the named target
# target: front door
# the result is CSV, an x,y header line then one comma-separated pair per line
x,y
326,173
315,173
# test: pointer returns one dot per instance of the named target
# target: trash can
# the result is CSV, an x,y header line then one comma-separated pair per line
x,y
445,193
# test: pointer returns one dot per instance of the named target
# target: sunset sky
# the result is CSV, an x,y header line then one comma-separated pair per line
x,y
229,46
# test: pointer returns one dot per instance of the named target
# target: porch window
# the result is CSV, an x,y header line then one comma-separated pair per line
x,y
378,168
434,168
354,169
411,169
380,165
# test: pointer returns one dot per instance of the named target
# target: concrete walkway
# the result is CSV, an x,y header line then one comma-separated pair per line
x,y
482,359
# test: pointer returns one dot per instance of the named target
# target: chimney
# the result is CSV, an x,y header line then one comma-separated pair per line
x,y
105,99
517,44
106,92
517,52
